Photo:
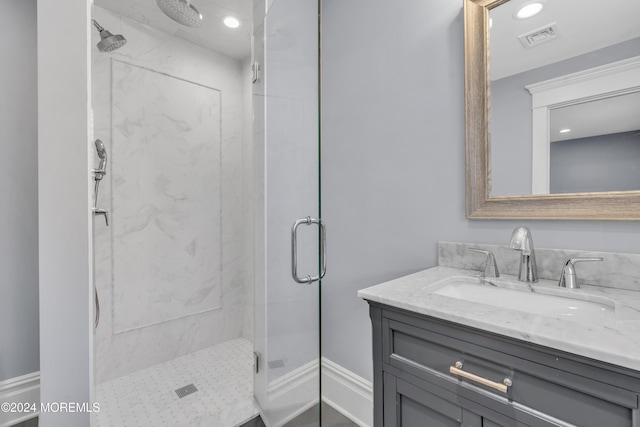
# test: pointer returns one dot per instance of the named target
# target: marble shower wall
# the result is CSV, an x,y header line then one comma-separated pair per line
x,y
171,270
165,146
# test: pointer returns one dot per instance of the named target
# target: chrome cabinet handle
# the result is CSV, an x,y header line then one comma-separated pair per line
x,y
457,370
294,250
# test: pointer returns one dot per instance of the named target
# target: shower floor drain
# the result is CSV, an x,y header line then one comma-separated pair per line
x,y
186,390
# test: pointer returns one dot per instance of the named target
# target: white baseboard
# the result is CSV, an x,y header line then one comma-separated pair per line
x,y
292,394
297,391
347,393
19,390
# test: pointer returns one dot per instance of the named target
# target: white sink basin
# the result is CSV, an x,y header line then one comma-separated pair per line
x,y
559,303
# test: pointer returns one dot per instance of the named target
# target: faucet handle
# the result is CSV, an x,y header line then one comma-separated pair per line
x,y
568,277
490,265
98,211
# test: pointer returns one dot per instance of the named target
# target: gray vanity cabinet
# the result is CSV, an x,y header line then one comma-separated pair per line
x,y
411,406
414,385
408,405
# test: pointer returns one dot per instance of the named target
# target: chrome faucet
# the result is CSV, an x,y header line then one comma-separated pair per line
x,y
522,241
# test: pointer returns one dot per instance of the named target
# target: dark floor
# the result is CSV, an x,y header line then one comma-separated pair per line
x,y
330,418
309,418
256,422
33,422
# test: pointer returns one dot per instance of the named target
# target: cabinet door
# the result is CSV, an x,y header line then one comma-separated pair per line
x,y
406,405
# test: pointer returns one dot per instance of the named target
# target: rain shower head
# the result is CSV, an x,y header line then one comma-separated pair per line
x,y
108,42
181,11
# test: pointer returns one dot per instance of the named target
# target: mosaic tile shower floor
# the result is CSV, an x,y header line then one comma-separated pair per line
x,y
224,378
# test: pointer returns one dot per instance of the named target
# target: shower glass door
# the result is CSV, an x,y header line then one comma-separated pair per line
x,y
286,137
195,265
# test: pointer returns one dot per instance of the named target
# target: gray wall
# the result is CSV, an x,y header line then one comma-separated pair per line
x,y
598,163
511,119
65,242
393,153
19,352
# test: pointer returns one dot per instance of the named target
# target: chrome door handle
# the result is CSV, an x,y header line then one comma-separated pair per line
x,y
294,250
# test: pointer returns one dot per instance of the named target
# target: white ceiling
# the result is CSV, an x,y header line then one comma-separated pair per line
x,y
583,25
212,34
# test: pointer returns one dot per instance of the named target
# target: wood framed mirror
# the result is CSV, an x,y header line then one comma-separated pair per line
x,y
481,203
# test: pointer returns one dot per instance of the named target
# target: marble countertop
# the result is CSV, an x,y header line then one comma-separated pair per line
x,y
616,341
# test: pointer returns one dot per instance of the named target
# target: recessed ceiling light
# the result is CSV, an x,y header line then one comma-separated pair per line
x,y
529,10
231,21
565,130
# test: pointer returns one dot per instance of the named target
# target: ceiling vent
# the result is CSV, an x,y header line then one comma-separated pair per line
x,y
539,35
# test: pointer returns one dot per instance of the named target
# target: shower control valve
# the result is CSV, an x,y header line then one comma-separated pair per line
x,y
97,211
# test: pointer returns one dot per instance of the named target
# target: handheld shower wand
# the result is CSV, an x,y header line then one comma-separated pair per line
x,y
98,174
102,154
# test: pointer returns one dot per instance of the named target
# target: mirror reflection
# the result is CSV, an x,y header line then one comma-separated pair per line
x,y
595,145
572,64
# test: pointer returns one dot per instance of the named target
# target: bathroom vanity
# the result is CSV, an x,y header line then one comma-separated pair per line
x,y
444,356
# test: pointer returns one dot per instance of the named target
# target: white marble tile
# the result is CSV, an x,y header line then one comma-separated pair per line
x,y
223,375
118,354
166,198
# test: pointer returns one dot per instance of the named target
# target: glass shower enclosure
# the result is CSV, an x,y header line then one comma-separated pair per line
x,y
212,192
289,243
